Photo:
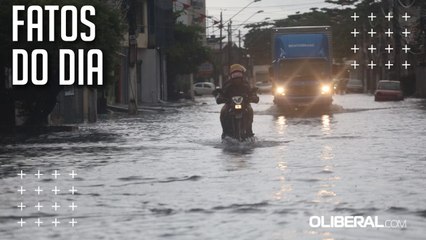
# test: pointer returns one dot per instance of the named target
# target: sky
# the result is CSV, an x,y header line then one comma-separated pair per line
x,y
273,9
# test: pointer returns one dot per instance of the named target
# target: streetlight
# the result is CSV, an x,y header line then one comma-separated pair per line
x,y
242,9
230,30
221,25
242,24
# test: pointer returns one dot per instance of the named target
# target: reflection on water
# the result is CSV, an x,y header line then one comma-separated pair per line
x,y
284,189
326,128
281,124
327,153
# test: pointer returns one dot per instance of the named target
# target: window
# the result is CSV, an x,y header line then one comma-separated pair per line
x,y
140,16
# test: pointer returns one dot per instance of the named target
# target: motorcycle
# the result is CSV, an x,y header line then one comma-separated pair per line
x,y
237,115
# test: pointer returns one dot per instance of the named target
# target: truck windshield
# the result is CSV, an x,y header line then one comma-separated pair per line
x,y
316,69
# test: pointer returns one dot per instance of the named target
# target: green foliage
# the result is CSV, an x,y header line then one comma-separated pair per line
x,y
258,44
187,51
258,39
342,2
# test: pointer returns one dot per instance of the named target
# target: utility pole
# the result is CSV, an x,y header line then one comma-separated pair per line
x,y
220,51
132,58
239,38
229,43
397,39
365,75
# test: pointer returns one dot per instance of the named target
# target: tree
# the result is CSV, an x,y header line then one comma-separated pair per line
x,y
185,55
258,39
39,101
342,2
258,43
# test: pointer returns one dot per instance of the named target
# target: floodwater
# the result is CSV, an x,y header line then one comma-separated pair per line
x,y
168,176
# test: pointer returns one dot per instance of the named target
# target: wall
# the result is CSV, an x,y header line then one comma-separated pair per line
x,y
75,105
421,82
149,75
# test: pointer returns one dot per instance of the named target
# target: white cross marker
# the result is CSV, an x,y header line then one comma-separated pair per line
x,y
355,64
21,206
73,222
372,33
21,174
389,32
56,222
73,206
389,64
389,48
406,48
22,222
354,17
372,48
355,48
56,174
355,32
372,17
406,64
21,190
73,174
38,206
372,64
56,206
38,222
56,190
38,190
73,190
389,16
38,174
406,33
406,17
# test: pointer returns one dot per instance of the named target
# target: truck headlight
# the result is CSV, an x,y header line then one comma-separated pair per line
x,y
280,91
325,89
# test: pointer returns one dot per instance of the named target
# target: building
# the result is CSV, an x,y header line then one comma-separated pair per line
x,y
153,21
191,12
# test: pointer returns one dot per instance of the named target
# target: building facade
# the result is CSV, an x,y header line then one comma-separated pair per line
x,y
153,21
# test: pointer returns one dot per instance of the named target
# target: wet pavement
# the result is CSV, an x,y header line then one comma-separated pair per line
x,y
168,176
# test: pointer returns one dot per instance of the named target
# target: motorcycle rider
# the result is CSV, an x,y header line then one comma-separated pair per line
x,y
236,85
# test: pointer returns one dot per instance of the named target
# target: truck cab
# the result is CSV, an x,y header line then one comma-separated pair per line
x,y
302,67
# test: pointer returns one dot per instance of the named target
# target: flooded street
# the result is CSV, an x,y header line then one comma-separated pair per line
x,y
168,176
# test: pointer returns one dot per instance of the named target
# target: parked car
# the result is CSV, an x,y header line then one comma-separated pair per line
x,y
264,87
354,86
203,88
388,91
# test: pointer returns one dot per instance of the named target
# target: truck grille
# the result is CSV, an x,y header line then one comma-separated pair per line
x,y
305,91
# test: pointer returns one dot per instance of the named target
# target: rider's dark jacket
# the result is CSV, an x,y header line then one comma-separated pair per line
x,y
237,86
